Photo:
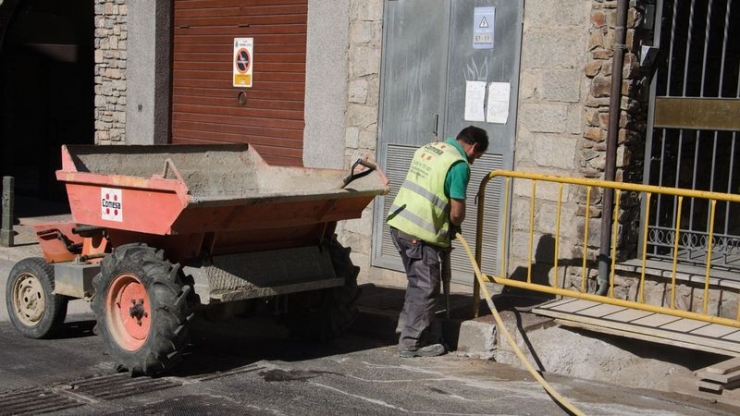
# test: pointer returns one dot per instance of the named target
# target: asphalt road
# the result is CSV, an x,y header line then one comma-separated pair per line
x,y
251,366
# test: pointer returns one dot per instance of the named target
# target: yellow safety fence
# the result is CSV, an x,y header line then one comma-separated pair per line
x,y
590,187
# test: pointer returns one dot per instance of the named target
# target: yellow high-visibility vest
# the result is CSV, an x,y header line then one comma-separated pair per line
x,y
421,207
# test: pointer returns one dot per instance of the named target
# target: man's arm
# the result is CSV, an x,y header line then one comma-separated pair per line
x,y
457,211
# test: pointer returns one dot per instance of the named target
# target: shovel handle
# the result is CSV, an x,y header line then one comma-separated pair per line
x,y
352,175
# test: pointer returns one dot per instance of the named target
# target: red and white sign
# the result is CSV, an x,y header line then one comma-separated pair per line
x,y
111,206
243,50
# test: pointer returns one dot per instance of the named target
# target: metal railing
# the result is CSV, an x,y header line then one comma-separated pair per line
x,y
589,190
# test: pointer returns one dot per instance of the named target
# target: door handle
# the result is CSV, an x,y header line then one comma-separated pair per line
x,y
435,125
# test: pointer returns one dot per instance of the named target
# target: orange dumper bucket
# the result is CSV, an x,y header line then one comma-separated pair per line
x,y
219,198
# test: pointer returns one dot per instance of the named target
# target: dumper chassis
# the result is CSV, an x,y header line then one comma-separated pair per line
x,y
159,233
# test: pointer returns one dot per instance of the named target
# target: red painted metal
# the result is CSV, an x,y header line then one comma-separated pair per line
x,y
130,330
50,237
187,199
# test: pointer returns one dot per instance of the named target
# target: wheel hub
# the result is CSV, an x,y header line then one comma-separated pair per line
x,y
129,312
138,311
29,300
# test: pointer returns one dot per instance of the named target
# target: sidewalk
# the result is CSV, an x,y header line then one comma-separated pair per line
x,y
25,243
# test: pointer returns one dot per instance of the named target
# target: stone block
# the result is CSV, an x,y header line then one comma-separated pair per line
x,y
558,12
352,137
592,68
555,152
598,18
361,32
540,51
477,338
358,91
364,61
603,54
544,118
366,10
601,86
546,219
596,39
562,85
574,125
529,84
362,116
595,134
369,138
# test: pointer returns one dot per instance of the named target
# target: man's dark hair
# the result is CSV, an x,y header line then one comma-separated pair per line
x,y
474,135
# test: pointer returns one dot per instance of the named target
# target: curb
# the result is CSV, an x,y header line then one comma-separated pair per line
x,y
380,306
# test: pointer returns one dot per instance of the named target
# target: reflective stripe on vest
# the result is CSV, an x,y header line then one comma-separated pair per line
x,y
421,207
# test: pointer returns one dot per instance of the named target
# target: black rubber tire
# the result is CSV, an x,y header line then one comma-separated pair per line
x,y
325,314
167,335
34,310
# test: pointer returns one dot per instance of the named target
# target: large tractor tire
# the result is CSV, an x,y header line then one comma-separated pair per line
x,y
321,315
34,309
141,307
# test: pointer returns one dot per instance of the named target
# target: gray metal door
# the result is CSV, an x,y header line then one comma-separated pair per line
x,y
428,57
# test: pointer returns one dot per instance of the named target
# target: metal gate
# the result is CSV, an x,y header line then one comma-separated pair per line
x,y
692,137
429,54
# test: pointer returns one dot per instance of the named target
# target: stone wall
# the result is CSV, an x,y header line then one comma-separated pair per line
x,y
563,123
365,37
111,34
632,117
552,94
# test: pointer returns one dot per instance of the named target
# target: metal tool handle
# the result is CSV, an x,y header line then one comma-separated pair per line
x,y
87,230
352,175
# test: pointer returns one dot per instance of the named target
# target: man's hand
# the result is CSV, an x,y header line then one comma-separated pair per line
x,y
454,229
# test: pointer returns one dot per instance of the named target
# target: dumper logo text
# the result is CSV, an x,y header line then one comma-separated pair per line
x,y
111,206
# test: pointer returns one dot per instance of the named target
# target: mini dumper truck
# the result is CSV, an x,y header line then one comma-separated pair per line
x,y
160,232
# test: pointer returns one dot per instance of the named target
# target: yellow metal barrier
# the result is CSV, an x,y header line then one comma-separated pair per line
x,y
644,191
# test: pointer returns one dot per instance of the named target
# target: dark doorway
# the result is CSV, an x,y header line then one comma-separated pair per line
x,y
46,91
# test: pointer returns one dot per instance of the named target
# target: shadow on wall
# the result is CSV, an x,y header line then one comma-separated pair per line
x,y
540,272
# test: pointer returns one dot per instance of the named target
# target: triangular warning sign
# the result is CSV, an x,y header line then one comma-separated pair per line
x,y
483,23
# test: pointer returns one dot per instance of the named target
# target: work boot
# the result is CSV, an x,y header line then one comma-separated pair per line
x,y
432,350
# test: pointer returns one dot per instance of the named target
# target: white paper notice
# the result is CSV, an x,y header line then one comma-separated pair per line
x,y
497,110
475,98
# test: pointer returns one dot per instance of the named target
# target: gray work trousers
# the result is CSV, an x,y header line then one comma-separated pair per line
x,y
422,262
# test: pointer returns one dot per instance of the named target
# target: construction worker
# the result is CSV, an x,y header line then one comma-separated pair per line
x,y
424,217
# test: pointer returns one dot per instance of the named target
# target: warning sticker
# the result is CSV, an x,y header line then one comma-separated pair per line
x,y
483,27
243,48
111,207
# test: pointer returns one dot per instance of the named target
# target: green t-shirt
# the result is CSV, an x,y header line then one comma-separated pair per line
x,y
456,182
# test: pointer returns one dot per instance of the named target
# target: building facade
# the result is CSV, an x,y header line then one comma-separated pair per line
x,y
326,81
